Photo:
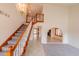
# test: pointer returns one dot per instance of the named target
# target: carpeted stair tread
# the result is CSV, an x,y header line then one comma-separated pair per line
x,y
15,37
19,31
2,53
6,47
12,42
17,34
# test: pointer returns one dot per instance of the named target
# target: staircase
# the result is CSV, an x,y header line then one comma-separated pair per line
x,y
17,43
7,49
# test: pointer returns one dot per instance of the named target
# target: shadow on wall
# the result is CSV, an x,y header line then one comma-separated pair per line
x,y
55,35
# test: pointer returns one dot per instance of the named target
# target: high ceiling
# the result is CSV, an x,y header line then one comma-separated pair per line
x,y
35,8
32,9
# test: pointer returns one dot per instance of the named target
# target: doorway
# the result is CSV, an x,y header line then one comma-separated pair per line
x,y
37,33
55,35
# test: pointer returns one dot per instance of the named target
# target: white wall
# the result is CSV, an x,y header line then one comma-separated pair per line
x,y
74,26
65,17
9,24
55,16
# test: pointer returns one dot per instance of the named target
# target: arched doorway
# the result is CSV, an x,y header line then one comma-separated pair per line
x,y
55,35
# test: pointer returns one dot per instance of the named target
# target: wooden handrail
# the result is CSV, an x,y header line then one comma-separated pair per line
x,y
18,40
27,40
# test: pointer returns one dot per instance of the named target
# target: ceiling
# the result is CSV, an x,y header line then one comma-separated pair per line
x,y
32,9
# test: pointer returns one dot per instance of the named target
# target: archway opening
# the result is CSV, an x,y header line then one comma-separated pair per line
x,y
55,35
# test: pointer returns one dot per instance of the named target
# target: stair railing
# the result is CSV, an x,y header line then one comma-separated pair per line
x,y
22,41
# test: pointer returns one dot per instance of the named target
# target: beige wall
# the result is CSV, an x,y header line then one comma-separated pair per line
x,y
9,24
55,16
64,17
74,26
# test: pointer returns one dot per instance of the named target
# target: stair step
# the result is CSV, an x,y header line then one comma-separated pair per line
x,y
2,53
19,31
22,30
6,47
15,37
23,27
12,42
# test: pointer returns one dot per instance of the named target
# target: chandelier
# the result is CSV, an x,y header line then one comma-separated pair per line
x,y
22,8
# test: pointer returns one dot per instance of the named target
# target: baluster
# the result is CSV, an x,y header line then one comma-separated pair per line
x,y
19,49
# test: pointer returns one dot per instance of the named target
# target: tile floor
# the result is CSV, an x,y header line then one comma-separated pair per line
x,y
34,48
